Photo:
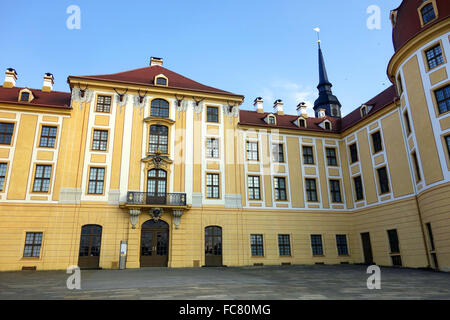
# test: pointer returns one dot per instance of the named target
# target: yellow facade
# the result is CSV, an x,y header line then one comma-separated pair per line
x,y
414,204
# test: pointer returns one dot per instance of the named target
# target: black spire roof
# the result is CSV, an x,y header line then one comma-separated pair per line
x,y
326,97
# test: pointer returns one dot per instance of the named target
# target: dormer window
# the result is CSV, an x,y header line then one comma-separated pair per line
x,y
363,111
325,124
25,95
302,123
271,120
427,12
161,80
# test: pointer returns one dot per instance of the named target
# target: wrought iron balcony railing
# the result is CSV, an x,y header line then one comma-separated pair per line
x,y
150,198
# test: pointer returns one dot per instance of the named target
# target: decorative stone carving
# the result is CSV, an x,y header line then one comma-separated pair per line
x,y
124,100
134,217
156,213
77,96
138,103
198,107
177,217
156,160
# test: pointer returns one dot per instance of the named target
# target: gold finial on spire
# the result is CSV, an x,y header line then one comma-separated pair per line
x,y
317,29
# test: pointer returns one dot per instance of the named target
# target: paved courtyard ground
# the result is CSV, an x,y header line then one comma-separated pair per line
x,y
249,283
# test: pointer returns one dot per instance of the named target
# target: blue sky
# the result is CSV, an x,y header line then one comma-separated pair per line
x,y
256,48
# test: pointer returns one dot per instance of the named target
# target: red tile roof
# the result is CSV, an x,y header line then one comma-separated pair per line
x,y
254,118
380,101
147,75
54,99
408,21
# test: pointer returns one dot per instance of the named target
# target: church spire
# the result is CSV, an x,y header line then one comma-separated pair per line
x,y
326,101
323,77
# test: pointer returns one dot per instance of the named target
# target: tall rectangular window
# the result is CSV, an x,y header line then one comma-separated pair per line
x,y
212,185
3,167
284,245
316,244
6,132
430,236
96,180
33,242
252,151
393,241
400,85
443,99
311,190
341,242
212,114
408,124
416,166
212,148
48,137
447,142
103,104
308,157
383,178
254,188
257,245
434,56
358,188
427,13
335,190
331,156
277,151
353,153
376,140
158,139
100,140
42,178
280,188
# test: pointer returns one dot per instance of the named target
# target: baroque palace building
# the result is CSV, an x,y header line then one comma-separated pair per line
x,y
176,171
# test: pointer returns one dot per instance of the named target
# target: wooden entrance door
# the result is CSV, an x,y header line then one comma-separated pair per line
x,y
367,248
213,246
156,186
154,244
90,243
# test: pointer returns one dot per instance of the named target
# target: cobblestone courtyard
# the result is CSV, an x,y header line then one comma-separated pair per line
x,y
254,283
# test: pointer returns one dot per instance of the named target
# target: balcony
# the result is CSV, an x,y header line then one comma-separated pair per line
x,y
156,199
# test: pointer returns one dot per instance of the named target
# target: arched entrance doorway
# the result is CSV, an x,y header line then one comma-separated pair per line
x,y
154,244
213,246
90,243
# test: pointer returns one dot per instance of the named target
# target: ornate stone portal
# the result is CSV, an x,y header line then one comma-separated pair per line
x,y
155,214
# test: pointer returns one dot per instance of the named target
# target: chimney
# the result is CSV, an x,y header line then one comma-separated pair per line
x,y
278,107
301,110
154,61
49,80
258,104
10,78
